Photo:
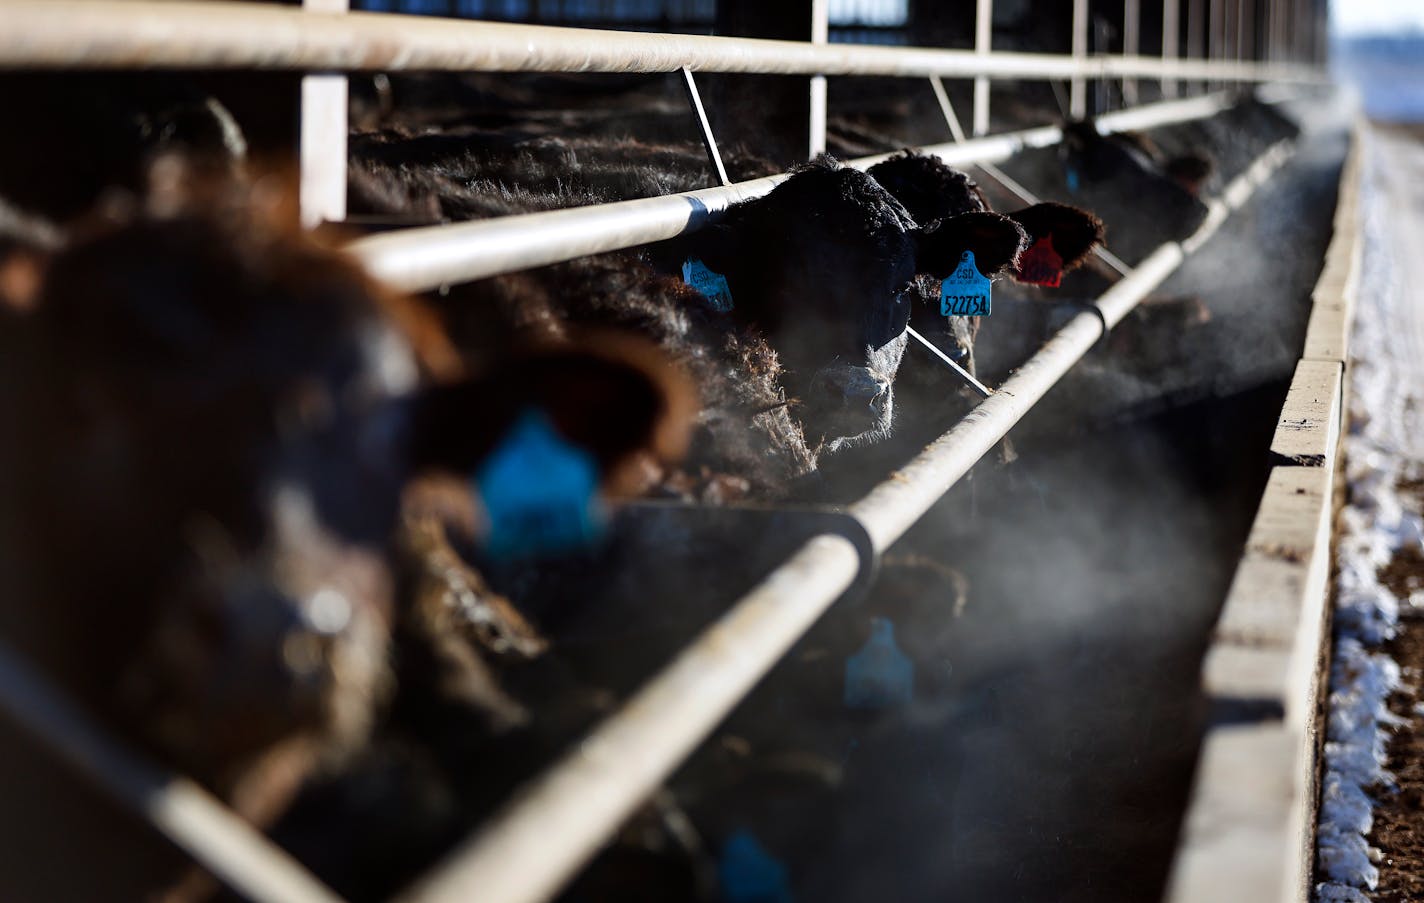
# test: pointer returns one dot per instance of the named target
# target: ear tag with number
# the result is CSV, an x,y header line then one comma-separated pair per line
x,y
1041,264
712,285
747,873
879,675
540,493
966,292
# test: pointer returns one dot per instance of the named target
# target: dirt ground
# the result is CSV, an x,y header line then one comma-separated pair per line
x,y
1399,818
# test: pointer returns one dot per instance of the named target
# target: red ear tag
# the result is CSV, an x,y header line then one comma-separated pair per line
x,y
1041,265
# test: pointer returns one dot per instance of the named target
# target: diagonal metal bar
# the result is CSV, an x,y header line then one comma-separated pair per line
x,y
182,811
964,375
709,142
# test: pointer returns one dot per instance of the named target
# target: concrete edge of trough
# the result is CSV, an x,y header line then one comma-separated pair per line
x,y
1248,833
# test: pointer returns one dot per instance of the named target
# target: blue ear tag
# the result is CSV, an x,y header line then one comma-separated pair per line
x,y
747,873
1071,177
879,675
711,284
540,493
966,292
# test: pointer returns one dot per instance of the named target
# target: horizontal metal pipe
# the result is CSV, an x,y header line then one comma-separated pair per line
x,y
228,847
1169,112
893,507
562,818
896,504
103,34
527,852
428,257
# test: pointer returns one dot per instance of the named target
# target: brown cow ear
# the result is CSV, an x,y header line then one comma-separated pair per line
x,y
1190,170
21,273
996,241
618,399
1060,239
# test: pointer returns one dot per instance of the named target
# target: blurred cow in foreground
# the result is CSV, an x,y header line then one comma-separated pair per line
x,y
225,422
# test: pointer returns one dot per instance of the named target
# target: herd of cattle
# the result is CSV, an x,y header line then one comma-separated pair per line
x,y
268,519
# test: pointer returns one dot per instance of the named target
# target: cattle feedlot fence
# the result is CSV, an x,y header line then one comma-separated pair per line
x,y
528,851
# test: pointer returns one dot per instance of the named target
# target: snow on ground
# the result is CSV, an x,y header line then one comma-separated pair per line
x,y
1384,445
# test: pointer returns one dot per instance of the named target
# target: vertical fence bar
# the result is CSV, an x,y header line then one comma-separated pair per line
x,y
1235,32
1279,16
1216,17
1171,24
983,39
1286,8
1131,34
323,138
1078,93
1248,31
1196,31
820,34
1319,37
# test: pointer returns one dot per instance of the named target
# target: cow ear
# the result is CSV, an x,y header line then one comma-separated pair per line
x,y
615,398
719,246
21,273
1190,170
996,241
1060,238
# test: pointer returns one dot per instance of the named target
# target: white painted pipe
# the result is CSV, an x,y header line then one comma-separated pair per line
x,y
226,35
1078,89
983,44
1131,36
555,824
322,145
427,257
1171,22
228,847
820,35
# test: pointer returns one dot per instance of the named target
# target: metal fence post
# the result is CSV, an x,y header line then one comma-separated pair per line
x,y
323,138
983,38
1196,33
820,34
1171,24
1131,33
1078,93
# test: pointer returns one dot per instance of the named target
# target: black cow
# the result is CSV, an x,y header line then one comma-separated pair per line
x,y
828,266
1058,239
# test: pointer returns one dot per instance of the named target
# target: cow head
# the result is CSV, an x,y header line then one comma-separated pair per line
x,y
542,436
224,417
1056,238
825,265
207,403
1119,177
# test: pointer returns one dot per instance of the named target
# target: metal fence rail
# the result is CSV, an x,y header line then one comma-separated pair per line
x,y
98,34
427,257
551,828
527,853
